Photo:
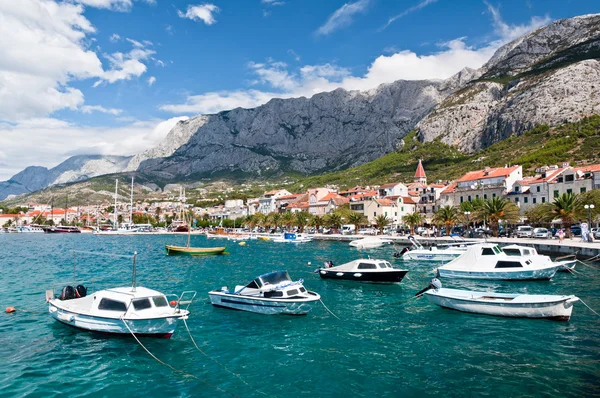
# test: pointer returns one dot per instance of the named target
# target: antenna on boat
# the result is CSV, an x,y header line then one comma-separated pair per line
x,y
134,273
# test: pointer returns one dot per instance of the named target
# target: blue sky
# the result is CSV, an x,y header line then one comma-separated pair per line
x,y
112,76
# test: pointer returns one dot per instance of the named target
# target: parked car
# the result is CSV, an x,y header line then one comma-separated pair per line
x,y
576,230
596,233
348,229
506,233
420,230
524,231
543,233
480,233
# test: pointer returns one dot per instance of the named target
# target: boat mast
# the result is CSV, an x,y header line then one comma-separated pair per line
x,y
133,281
116,224
131,204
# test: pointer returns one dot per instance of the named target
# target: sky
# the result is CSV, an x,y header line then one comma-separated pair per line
x,y
114,76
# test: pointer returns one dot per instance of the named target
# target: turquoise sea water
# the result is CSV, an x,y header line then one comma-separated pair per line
x,y
385,343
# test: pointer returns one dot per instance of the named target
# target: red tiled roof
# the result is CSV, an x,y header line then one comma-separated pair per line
x,y
489,173
590,168
420,173
361,196
437,186
550,175
292,196
385,202
413,193
450,188
408,200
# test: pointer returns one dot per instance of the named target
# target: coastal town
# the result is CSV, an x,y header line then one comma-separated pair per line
x,y
395,203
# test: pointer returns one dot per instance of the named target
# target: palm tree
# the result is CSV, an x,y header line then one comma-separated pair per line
x,y
568,209
288,219
334,220
316,221
273,220
539,214
381,221
302,219
356,219
413,220
447,216
496,209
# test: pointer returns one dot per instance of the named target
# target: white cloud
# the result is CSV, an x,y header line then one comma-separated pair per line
x,y
61,140
507,32
44,49
202,12
114,5
414,8
283,82
114,38
342,17
151,80
99,108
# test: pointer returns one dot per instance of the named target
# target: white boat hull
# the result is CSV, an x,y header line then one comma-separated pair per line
x,y
514,275
429,255
508,305
262,305
156,327
369,243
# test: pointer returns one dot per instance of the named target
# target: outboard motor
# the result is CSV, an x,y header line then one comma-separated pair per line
x,y
401,253
67,293
80,291
434,284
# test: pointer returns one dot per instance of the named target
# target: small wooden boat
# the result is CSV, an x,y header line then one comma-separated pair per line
x,y
269,294
502,304
364,270
193,251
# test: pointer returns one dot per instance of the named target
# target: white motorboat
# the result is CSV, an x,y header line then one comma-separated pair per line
x,y
120,310
517,250
433,253
272,293
363,270
370,242
488,261
291,237
30,229
503,304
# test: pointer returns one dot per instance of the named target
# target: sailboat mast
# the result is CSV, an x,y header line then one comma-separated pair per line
x,y
131,204
115,222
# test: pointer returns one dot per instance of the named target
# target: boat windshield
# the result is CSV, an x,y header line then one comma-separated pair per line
x,y
273,278
512,252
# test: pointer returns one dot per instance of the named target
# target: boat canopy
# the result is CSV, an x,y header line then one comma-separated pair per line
x,y
289,235
272,278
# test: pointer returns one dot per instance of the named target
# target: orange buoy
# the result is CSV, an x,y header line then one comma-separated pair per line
x,y
10,310
173,303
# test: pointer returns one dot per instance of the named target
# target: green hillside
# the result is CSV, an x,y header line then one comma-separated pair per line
x,y
576,143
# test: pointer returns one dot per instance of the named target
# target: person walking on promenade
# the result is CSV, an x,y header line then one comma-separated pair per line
x,y
561,236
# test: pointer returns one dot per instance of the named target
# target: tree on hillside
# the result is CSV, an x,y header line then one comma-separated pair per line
x,y
496,209
302,219
413,220
568,209
381,221
447,216
356,219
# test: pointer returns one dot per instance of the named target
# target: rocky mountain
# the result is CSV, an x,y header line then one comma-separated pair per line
x,y
76,168
328,131
549,76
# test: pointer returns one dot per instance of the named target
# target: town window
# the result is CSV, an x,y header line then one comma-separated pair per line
x,y
543,199
493,195
516,189
516,200
569,191
485,196
582,190
537,188
461,199
525,199
560,179
534,200
570,178
402,209
469,198
556,194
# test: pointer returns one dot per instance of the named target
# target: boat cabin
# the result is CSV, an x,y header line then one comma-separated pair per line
x,y
516,250
277,284
365,264
490,256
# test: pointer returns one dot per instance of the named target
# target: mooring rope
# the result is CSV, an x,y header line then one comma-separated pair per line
x,y
587,265
217,362
589,307
328,310
171,367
